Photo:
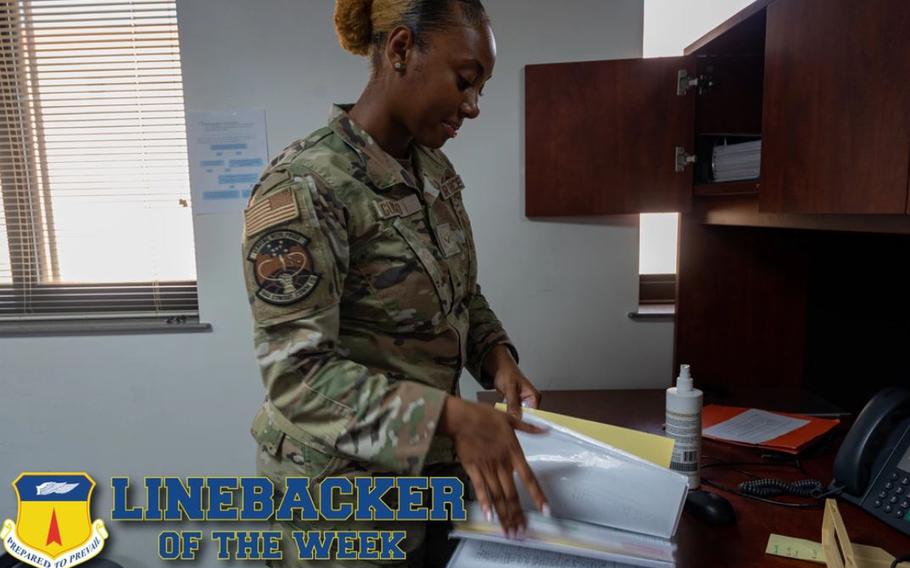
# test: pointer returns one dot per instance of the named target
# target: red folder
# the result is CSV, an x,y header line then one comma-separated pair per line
x,y
791,443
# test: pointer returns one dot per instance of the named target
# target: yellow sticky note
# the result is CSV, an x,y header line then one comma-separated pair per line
x,y
799,548
651,447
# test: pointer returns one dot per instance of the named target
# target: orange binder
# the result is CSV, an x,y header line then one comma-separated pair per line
x,y
791,443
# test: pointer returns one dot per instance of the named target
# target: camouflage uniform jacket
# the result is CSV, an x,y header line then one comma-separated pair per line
x,y
362,284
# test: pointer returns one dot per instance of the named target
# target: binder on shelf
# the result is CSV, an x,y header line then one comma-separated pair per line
x,y
733,162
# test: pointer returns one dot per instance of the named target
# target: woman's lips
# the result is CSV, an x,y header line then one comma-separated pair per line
x,y
451,131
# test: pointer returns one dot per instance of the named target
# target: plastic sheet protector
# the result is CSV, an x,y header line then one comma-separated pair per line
x,y
587,480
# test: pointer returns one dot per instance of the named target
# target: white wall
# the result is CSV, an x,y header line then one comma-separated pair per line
x,y
181,404
671,25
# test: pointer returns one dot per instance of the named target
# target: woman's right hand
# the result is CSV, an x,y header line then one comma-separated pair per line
x,y
489,452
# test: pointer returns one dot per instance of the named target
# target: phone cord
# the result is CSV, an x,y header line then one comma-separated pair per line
x,y
774,487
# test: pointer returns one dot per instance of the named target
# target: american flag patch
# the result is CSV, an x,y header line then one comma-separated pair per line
x,y
276,208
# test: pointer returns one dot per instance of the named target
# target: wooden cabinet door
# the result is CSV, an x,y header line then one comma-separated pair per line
x,y
600,137
836,110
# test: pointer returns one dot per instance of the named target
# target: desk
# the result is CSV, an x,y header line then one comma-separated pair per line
x,y
743,544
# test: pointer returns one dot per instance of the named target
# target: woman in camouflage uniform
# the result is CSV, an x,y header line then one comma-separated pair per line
x,y
362,279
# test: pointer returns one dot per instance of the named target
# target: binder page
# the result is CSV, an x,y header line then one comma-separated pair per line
x,y
480,554
573,538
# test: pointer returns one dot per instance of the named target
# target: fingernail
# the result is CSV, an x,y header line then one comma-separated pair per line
x,y
545,510
489,515
521,533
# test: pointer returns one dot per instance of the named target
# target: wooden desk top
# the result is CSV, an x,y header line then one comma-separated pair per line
x,y
742,544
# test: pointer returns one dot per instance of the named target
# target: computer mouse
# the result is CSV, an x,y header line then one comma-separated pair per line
x,y
710,508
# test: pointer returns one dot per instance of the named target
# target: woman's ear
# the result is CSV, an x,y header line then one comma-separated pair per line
x,y
398,48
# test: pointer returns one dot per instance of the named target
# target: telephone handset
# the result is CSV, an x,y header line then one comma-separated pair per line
x,y
873,463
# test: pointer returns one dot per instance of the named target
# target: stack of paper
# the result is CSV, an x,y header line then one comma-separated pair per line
x,y
549,541
731,162
607,504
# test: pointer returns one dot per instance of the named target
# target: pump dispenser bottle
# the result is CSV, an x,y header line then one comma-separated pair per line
x,y
683,424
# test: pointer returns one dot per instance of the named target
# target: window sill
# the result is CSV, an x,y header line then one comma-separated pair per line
x,y
654,312
125,326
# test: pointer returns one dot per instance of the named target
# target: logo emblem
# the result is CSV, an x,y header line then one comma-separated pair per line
x,y
53,526
283,267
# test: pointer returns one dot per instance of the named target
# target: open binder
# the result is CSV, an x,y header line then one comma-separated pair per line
x,y
607,505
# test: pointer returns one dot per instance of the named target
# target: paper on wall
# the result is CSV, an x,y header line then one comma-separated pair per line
x,y
227,153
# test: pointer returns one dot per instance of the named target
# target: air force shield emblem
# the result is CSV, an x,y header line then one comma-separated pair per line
x,y
54,527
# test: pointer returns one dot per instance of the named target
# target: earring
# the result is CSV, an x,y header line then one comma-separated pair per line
x,y
399,66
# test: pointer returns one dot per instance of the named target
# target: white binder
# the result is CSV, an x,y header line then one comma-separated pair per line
x,y
608,507
586,480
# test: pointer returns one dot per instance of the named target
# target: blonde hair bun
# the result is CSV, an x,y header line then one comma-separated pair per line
x,y
353,24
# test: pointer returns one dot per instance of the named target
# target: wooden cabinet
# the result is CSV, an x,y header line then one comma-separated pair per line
x,y
601,137
836,128
822,83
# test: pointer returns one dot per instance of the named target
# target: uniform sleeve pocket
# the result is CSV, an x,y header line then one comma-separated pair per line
x,y
266,434
306,461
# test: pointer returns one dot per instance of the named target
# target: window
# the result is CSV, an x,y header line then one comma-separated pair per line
x,y
657,258
669,26
94,221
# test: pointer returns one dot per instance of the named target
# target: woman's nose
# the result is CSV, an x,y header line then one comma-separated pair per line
x,y
469,107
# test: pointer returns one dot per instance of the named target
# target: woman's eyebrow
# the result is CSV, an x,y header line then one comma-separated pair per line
x,y
477,64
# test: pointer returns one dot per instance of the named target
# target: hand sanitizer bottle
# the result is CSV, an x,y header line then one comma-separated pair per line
x,y
684,426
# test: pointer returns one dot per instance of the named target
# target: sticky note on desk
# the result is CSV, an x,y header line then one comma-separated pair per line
x,y
651,447
798,548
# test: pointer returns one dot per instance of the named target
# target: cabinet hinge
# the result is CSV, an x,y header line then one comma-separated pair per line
x,y
703,82
683,159
684,82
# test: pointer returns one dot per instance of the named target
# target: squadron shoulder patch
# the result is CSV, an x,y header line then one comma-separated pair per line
x,y
283,267
269,211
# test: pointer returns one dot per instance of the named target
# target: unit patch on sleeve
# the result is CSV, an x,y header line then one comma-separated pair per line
x,y
283,267
277,208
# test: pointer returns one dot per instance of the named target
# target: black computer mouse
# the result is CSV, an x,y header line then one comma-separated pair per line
x,y
710,508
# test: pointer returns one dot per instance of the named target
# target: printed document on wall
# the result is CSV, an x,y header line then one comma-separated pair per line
x,y
227,152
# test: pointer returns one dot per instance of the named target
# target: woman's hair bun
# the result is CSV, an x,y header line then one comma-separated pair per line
x,y
353,25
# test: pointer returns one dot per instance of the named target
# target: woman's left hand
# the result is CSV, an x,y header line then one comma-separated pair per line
x,y
516,389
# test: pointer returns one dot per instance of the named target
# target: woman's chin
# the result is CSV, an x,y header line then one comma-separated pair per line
x,y
434,143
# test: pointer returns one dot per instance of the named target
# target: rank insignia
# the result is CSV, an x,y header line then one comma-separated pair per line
x,y
54,525
451,185
283,267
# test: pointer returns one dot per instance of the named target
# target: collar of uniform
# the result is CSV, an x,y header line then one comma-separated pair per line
x,y
430,166
383,170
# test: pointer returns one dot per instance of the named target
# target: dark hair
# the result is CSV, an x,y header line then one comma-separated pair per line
x,y
426,17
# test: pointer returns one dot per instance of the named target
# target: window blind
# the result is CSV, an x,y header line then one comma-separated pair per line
x,y
93,166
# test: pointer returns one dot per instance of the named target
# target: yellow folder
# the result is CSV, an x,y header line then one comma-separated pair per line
x,y
650,447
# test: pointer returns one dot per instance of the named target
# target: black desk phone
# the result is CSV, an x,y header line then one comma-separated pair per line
x,y
873,464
